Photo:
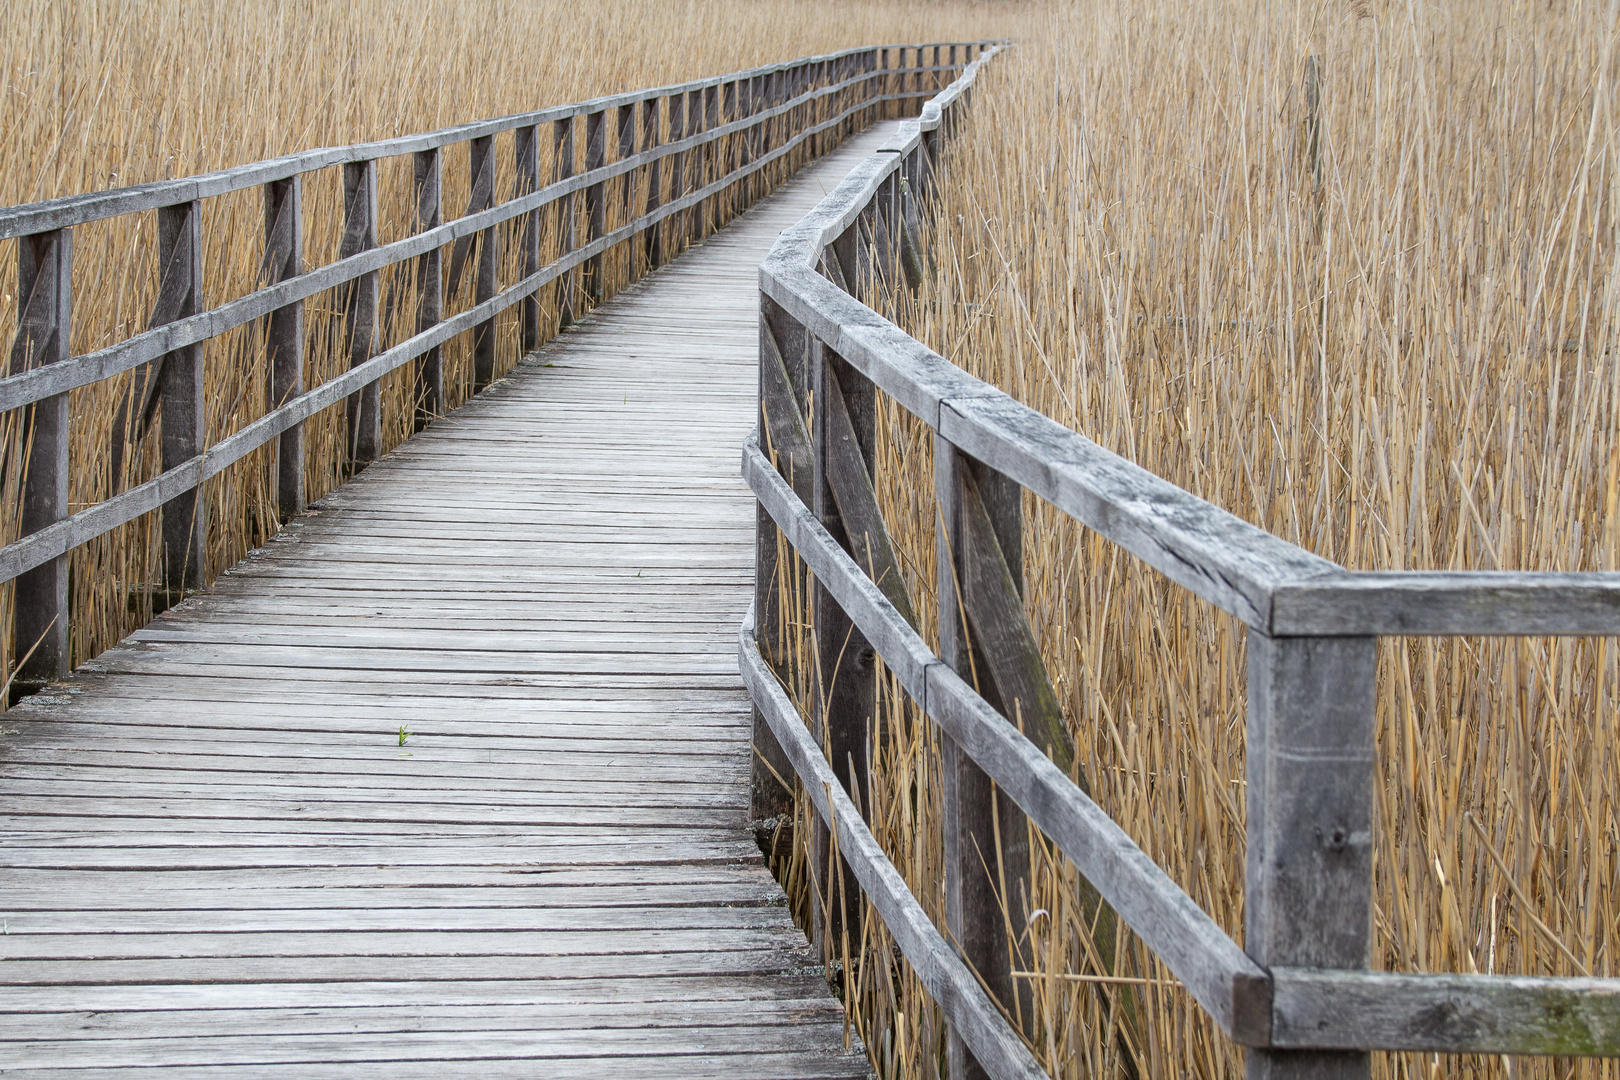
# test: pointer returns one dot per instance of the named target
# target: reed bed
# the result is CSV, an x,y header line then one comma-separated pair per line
x,y
1349,271
114,92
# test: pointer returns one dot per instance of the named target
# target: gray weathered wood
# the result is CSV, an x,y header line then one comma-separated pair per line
x,y
1310,758
429,191
986,835
360,309
1449,602
651,136
949,981
181,401
591,282
564,156
526,152
284,337
481,162
1446,1014
39,644
844,702
1227,983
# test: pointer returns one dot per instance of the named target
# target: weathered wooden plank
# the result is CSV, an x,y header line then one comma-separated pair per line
x,y
1449,602
429,190
1310,762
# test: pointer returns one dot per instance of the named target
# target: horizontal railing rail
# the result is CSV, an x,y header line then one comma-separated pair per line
x,y
1300,982
714,137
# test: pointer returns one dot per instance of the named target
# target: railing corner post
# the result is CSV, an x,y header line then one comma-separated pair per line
x,y
1310,759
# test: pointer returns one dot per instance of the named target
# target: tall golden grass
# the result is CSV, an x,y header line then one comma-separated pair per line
x,y
1350,271
107,93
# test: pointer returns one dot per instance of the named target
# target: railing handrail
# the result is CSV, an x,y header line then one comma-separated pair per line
x,y
1313,627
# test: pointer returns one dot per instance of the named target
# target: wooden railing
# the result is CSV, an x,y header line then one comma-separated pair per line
x,y
705,142
1298,993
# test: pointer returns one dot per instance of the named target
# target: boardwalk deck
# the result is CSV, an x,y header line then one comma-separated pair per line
x,y
217,853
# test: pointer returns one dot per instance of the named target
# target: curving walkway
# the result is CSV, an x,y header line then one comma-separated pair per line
x,y
221,857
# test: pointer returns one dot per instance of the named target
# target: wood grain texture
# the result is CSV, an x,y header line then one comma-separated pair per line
x,y
454,774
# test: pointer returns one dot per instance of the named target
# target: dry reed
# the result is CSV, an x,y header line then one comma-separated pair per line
x,y
1349,271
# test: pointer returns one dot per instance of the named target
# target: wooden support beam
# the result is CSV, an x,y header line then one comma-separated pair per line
x,y
360,309
563,156
181,402
846,664
651,137
986,925
595,203
527,154
785,438
40,642
284,339
429,187
1310,758
481,160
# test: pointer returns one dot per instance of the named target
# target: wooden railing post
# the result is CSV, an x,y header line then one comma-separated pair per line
x,y
781,405
44,321
595,204
651,138
985,925
528,182
481,162
430,286
284,341
846,669
1310,757
563,155
707,162
627,149
680,114
181,402
360,309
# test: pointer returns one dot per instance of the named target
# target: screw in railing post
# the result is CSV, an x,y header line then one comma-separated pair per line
x,y
481,162
429,191
651,138
1310,758
284,341
845,684
360,308
973,811
527,152
595,202
44,322
563,158
181,401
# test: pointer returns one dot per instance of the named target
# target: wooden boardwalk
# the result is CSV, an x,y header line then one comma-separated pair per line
x,y
217,852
